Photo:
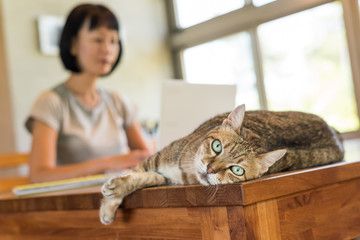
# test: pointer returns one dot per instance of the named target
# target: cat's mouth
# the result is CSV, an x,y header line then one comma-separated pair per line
x,y
203,177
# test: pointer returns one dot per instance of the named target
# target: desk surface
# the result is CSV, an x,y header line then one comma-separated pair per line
x,y
317,203
265,188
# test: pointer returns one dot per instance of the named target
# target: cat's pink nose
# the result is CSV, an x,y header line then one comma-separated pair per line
x,y
210,169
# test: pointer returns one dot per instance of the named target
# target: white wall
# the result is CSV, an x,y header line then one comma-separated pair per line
x,y
146,60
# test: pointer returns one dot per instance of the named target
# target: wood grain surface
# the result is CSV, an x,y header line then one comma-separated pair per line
x,y
169,223
246,193
331,212
318,203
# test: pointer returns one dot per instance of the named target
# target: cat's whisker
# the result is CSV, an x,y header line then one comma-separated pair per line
x,y
211,191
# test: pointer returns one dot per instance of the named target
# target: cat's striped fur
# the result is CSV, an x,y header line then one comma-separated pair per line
x,y
229,148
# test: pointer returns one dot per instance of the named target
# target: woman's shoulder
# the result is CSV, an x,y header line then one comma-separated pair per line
x,y
48,108
53,98
54,93
60,91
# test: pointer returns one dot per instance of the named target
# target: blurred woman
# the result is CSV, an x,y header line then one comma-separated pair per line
x,y
79,128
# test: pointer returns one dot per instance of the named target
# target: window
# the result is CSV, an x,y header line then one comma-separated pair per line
x,y
224,61
190,12
259,3
306,65
282,55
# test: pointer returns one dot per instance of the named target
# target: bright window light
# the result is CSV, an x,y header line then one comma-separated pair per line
x,y
259,3
224,61
306,65
191,12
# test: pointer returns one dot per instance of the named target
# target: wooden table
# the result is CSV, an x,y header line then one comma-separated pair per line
x,y
318,203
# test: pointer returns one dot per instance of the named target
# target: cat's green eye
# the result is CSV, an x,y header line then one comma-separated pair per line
x,y
237,170
216,146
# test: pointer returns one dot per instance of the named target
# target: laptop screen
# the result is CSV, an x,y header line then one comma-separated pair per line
x,y
184,106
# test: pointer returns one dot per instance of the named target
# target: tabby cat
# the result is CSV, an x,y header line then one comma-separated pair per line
x,y
231,148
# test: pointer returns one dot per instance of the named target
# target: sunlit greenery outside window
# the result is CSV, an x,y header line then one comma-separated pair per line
x,y
304,60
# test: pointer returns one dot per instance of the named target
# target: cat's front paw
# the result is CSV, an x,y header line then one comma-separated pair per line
x,y
113,188
108,209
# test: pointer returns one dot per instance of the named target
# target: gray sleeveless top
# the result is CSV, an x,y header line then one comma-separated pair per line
x,y
84,134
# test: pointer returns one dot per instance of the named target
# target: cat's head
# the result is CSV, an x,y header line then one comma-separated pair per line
x,y
228,155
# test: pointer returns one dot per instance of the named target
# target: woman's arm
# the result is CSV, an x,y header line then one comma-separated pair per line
x,y
136,140
43,159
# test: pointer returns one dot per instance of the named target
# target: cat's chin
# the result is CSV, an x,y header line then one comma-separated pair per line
x,y
207,180
203,179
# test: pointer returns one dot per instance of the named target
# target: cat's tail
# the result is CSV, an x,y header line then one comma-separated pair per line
x,y
339,141
339,136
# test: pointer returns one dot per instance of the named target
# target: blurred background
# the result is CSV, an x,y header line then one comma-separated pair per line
x,y
280,54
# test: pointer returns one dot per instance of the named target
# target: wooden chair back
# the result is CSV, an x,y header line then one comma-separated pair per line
x,y
10,161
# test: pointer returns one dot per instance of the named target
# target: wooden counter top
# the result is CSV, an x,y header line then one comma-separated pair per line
x,y
317,203
265,188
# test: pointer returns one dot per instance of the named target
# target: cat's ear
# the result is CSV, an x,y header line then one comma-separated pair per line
x,y
235,118
266,160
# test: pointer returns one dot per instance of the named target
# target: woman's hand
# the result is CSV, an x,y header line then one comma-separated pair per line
x,y
129,160
43,157
136,140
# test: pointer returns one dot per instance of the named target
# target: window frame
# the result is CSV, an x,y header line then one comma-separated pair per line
x,y
247,19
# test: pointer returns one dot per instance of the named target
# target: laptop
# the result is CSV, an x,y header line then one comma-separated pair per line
x,y
184,106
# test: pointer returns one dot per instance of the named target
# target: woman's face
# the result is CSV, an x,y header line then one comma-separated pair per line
x,y
97,50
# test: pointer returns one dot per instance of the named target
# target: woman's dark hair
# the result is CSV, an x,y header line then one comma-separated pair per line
x,y
98,15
